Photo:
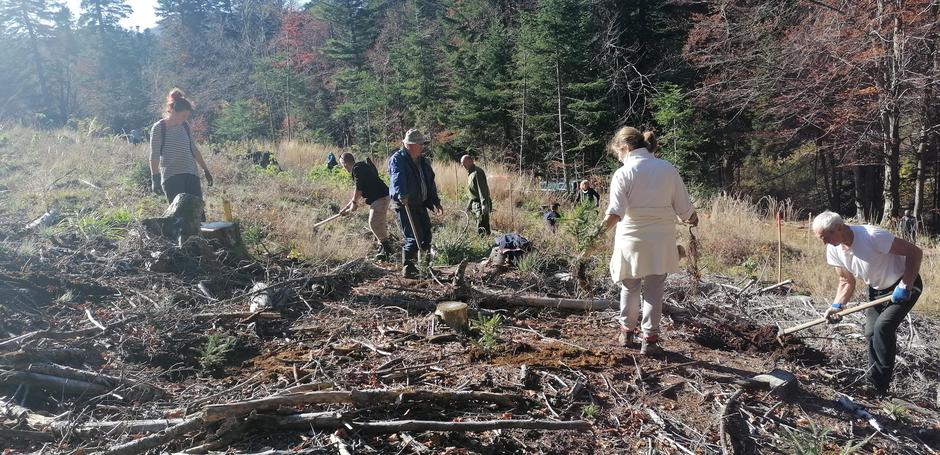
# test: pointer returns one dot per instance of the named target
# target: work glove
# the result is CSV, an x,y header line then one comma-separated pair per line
x,y
832,313
155,185
208,178
900,294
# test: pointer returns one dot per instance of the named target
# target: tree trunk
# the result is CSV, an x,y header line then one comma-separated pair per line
x,y
890,120
37,58
561,134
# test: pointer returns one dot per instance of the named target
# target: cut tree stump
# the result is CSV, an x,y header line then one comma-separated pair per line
x,y
454,315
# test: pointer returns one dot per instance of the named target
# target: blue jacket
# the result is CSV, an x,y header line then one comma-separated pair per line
x,y
403,173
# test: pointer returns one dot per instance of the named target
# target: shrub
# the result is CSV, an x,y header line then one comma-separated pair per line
x,y
109,225
453,246
215,352
582,224
488,328
336,176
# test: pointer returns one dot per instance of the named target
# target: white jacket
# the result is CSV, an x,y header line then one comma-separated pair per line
x,y
647,194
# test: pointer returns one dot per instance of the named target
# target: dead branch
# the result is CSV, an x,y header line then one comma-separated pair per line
x,y
726,445
331,420
95,378
123,426
156,440
361,397
54,383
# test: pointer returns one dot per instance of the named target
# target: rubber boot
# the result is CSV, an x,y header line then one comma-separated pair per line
x,y
426,262
408,259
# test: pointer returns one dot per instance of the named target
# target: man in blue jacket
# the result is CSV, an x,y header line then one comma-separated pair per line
x,y
412,186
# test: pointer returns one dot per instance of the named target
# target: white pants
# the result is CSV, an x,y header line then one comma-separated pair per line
x,y
652,298
378,218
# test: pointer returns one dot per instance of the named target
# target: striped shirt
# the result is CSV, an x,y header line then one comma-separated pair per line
x,y
177,157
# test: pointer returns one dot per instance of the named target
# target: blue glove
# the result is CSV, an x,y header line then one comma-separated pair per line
x,y
900,294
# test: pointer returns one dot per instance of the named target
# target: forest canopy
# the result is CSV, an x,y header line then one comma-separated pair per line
x,y
831,103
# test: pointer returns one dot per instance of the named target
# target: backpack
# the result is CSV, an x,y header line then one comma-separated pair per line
x,y
189,134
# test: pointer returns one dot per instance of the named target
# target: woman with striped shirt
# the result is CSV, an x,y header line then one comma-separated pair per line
x,y
173,152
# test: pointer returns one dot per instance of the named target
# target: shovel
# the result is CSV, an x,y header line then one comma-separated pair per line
x,y
815,322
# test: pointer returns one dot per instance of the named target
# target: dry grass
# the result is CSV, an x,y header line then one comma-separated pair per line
x,y
740,238
41,170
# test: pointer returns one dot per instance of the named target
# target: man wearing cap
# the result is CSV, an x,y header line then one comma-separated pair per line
x,y
480,203
369,186
414,192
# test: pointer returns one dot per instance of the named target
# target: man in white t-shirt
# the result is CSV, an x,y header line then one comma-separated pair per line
x,y
890,266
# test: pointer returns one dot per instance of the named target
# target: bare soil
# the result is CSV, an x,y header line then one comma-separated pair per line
x,y
359,326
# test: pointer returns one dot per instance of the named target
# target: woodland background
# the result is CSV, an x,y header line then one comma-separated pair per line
x,y
832,104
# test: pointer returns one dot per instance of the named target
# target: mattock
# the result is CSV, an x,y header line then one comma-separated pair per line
x,y
814,322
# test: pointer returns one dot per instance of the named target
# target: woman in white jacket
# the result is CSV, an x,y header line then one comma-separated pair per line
x,y
646,196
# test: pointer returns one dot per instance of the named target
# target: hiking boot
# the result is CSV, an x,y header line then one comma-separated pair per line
x,y
627,338
650,346
408,258
384,252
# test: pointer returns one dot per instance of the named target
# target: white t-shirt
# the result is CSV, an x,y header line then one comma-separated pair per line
x,y
868,257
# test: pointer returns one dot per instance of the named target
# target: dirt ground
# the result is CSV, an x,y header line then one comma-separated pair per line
x,y
359,326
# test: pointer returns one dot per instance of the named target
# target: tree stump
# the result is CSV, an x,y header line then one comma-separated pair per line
x,y
224,235
454,315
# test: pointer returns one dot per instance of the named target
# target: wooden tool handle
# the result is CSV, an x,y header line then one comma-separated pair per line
x,y
327,220
844,312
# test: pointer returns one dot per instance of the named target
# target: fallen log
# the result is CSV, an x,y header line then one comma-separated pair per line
x,y
156,440
54,383
564,303
30,355
331,420
552,302
356,397
727,444
112,382
238,315
23,435
18,413
111,426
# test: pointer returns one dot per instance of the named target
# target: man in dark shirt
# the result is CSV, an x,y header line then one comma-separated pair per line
x,y
588,194
369,186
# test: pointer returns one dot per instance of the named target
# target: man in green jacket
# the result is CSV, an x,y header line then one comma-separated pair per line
x,y
480,203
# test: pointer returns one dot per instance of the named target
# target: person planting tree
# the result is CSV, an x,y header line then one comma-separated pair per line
x,y
889,266
370,187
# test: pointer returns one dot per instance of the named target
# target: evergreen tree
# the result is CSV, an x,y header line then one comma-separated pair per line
x,y
30,19
479,53
566,95
103,14
353,25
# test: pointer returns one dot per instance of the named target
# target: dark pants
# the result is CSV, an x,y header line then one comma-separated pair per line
x,y
181,183
422,225
483,218
881,326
